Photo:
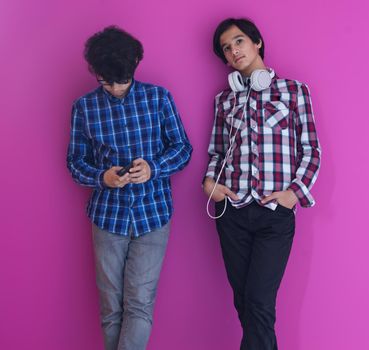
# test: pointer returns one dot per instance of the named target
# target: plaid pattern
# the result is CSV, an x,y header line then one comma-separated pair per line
x,y
276,147
107,131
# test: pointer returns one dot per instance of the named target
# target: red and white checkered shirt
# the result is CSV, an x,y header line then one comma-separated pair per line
x,y
276,147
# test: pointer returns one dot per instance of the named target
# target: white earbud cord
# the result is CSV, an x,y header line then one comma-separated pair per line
x,y
228,153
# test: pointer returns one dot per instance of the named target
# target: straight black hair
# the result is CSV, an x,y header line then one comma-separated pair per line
x,y
245,26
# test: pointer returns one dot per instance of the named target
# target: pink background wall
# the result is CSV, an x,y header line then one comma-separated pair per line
x,y
48,298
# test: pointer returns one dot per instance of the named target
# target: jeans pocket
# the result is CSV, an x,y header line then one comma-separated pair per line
x,y
284,209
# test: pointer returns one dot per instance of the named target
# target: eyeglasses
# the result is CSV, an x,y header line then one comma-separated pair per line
x,y
107,83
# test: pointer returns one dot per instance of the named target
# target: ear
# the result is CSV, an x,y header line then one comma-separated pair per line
x,y
260,44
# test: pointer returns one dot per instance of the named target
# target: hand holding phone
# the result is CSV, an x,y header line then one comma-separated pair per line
x,y
125,170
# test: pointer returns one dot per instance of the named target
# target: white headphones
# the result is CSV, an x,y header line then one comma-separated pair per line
x,y
260,80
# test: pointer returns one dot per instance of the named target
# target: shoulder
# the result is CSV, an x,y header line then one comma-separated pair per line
x,y
84,100
224,96
289,86
151,89
157,97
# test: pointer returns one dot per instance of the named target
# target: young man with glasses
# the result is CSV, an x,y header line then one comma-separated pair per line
x,y
126,140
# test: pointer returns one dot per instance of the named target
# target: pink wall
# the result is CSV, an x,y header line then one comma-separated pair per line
x,y
48,298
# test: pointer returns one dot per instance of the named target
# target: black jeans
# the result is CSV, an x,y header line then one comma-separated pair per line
x,y
256,243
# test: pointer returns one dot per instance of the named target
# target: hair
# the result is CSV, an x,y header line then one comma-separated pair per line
x,y
113,54
243,24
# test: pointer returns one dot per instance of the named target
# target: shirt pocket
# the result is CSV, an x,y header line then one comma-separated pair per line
x,y
276,114
234,118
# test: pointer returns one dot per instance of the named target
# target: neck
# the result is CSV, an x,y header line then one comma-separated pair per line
x,y
257,64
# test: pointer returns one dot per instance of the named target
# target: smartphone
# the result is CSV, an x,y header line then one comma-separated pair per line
x,y
125,170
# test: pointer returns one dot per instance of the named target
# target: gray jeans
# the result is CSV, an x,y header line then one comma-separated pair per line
x,y
127,274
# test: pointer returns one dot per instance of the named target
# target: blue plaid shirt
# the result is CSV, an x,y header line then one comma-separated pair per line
x,y
107,131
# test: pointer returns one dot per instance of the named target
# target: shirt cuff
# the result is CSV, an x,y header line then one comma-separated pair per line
x,y
100,179
210,173
155,168
302,193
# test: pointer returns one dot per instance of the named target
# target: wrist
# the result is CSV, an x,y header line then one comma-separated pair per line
x,y
294,198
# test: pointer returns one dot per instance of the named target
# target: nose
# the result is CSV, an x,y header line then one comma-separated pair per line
x,y
235,51
115,87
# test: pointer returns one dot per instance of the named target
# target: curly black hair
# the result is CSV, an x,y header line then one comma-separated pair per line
x,y
113,54
245,26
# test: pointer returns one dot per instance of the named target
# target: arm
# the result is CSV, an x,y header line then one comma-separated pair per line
x,y
178,150
80,160
308,156
308,149
218,144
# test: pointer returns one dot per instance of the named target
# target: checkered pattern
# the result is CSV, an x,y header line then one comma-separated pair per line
x,y
276,147
107,131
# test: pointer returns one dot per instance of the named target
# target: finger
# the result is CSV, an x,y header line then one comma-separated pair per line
x,y
118,184
231,194
138,180
112,172
137,161
219,198
115,168
122,183
137,174
268,199
125,177
136,169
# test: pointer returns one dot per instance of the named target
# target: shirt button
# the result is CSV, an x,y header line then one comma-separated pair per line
x,y
253,125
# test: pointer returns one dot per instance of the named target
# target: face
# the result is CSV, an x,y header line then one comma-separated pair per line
x,y
240,51
118,89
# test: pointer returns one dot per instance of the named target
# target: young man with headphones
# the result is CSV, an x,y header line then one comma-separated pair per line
x,y
135,125
264,159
